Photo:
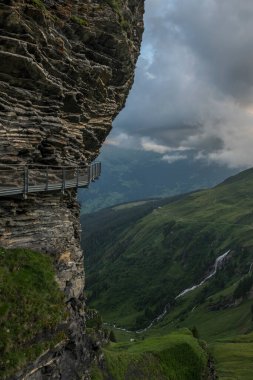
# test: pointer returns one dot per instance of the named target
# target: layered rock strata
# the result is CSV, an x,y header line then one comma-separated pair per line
x,y
66,68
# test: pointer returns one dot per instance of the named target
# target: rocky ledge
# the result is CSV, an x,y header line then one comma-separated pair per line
x,y
66,68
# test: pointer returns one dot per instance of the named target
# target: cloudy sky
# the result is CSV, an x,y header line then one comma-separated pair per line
x,y
193,90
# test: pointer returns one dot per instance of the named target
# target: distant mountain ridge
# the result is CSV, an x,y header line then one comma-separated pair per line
x,y
129,175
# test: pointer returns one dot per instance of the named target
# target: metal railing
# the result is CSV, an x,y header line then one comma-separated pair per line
x,y
15,179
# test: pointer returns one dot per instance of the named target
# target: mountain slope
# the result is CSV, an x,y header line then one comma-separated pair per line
x,y
137,268
128,175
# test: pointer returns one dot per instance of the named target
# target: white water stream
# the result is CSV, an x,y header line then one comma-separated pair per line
x,y
156,319
217,265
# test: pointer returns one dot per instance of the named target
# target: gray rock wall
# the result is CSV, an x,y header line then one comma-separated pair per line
x,y
66,68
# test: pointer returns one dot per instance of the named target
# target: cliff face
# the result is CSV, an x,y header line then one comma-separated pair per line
x,y
66,68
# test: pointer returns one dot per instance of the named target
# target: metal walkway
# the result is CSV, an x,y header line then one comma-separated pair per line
x,y
16,179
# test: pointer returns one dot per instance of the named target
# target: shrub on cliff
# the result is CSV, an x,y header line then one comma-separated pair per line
x,y
114,4
31,308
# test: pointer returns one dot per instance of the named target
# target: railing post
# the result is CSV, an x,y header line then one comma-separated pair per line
x,y
92,168
26,181
89,174
63,180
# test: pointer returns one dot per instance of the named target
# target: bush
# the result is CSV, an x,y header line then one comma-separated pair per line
x,y
79,20
38,3
195,332
112,336
114,4
94,320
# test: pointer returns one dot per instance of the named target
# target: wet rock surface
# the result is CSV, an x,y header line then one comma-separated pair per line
x,y
66,68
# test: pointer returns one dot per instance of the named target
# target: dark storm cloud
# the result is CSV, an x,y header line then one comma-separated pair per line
x,y
194,82
220,35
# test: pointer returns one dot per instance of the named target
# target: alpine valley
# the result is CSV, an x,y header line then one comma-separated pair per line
x,y
131,174
173,278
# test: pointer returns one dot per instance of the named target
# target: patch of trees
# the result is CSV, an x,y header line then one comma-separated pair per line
x,y
243,287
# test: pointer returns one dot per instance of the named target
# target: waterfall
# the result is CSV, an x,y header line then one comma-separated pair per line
x,y
217,264
156,319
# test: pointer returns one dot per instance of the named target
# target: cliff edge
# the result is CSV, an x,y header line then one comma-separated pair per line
x,y
66,69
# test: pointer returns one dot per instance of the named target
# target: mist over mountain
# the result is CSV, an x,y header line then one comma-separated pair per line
x,y
129,174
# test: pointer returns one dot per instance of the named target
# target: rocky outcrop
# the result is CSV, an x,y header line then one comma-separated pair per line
x,y
66,68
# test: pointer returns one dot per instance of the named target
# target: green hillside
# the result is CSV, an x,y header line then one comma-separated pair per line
x,y
137,264
234,358
177,356
141,256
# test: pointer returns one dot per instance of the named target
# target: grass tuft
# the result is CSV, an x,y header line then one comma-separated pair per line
x,y
38,3
79,20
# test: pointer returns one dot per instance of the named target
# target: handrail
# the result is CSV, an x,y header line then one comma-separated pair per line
x,y
17,179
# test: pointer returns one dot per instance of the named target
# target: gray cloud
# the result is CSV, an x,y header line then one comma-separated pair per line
x,y
194,80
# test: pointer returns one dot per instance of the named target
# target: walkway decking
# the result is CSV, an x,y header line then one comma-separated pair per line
x,y
16,179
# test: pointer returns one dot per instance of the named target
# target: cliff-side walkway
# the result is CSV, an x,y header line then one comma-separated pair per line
x,y
16,179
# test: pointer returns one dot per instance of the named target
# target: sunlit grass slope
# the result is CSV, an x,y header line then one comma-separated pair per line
x,y
31,308
233,358
177,356
137,263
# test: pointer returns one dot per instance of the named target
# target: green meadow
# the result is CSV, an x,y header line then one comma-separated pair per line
x,y
176,356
